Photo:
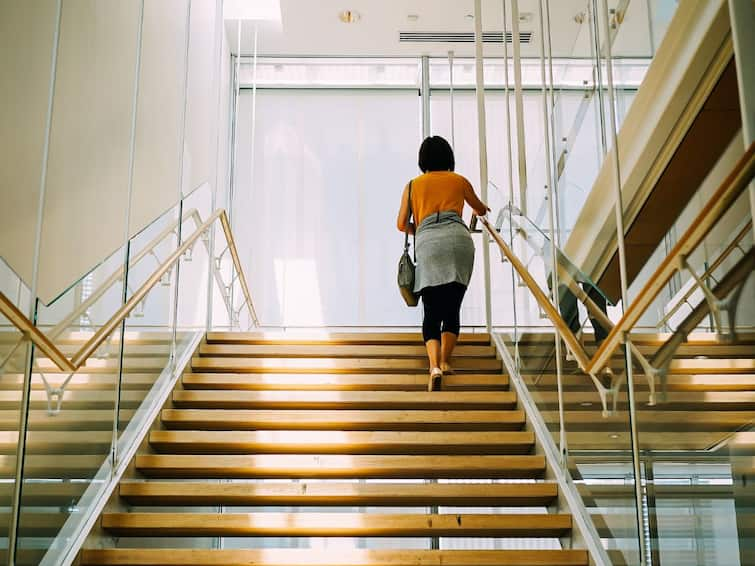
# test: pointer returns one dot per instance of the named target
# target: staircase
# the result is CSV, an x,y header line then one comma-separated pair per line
x,y
271,439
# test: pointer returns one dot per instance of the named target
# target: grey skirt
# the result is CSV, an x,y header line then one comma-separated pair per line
x,y
445,251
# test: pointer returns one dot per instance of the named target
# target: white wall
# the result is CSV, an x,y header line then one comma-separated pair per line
x,y
90,206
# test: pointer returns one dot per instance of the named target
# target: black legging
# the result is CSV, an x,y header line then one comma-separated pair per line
x,y
442,307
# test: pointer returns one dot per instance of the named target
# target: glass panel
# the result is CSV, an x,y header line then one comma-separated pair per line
x,y
148,331
354,72
194,265
346,188
13,355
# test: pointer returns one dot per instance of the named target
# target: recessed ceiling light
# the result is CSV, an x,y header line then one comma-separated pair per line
x,y
469,16
349,16
412,17
586,404
614,436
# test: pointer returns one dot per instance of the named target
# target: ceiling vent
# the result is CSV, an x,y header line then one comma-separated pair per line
x,y
459,37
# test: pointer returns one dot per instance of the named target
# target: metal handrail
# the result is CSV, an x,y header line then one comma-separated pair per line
x,y
729,190
29,329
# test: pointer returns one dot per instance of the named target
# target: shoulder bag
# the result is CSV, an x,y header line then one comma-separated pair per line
x,y
406,265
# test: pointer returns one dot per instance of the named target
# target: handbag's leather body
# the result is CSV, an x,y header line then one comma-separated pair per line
x,y
406,265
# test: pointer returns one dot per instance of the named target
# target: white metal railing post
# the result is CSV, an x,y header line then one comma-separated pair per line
x,y
519,103
483,153
218,46
425,94
510,174
619,209
549,176
451,97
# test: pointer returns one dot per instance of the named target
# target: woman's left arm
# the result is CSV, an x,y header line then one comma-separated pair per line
x,y
402,222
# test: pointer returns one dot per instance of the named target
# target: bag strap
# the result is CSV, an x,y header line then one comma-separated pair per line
x,y
406,232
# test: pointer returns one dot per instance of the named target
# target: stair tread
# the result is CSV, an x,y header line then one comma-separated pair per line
x,y
333,338
246,419
343,557
336,351
350,442
335,494
335,365
337,524
339,382
320,466
342,399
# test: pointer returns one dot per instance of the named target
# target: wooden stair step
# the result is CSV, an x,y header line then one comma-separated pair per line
x,y
56,466
84,381
338,466
73,399
712,351
341,442
337,524
240,419
70,419
44,494
340,382
336,351
345,338
651,420
338,494
58,442
676,401
675,383
343,557
335,365
343,399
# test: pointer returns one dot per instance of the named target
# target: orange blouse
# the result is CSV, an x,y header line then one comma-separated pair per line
x,y
438,191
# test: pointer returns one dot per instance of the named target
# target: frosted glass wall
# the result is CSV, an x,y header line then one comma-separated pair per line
x,y
317,226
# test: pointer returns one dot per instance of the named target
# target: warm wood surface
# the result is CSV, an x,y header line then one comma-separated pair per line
x,y
339,466
336,524
341,442
334,365
335,351
340,382
344,557
330,338
221,419
480,400
338,494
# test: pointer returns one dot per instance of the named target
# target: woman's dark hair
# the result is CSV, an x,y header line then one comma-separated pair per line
x,y
435,154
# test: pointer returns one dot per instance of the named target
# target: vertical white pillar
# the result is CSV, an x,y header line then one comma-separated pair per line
x,y
451,96
425,93
483,146
519,103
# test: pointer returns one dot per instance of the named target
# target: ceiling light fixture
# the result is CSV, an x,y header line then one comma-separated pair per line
x,y
412,17
349,16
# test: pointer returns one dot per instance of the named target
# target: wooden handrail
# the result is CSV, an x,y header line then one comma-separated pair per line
x,y
550,310
708,272
729,190
28,329
20,321
115,276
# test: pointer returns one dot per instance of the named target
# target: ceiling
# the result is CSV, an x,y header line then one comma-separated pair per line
x,y
313,28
